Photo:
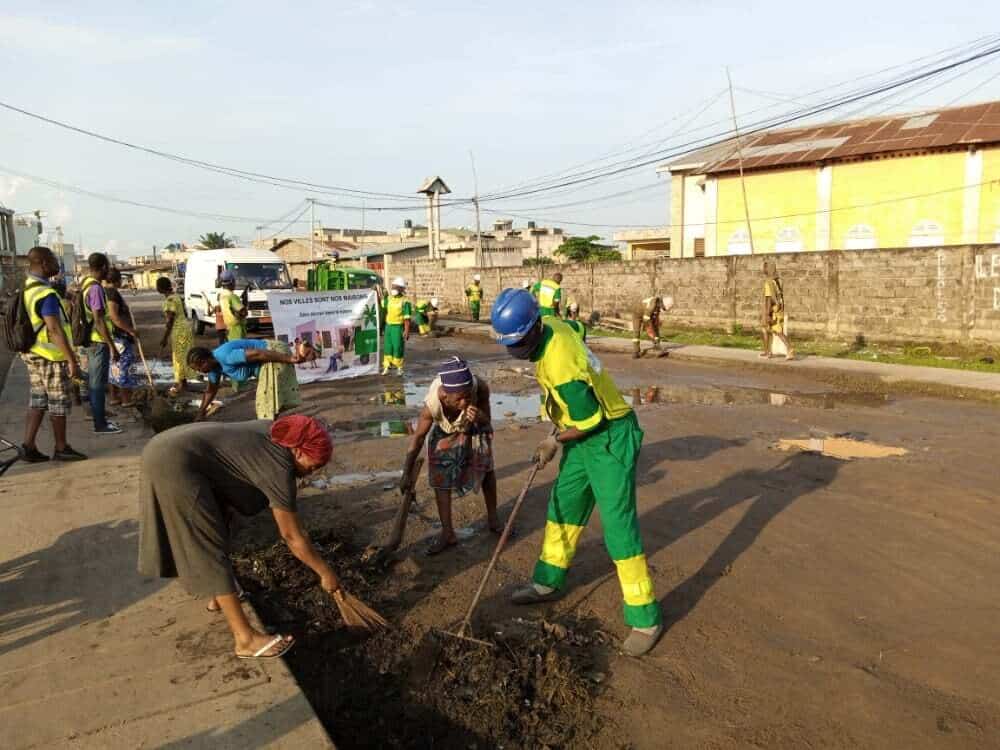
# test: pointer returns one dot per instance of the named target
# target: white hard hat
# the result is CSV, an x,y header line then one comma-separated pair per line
x,y
526,284
399,281
574,306
476,277
434,301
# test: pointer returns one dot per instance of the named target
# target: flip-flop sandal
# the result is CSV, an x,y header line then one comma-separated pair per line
x,y
437,547
261,653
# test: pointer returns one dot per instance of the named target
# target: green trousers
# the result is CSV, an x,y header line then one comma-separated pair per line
x,y
474,308
600,469
393,346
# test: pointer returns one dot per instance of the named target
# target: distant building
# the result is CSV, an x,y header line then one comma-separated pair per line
x,y
920,179
644,244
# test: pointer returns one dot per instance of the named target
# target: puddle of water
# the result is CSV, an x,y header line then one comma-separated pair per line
x,y
840,447
686,394
505,405
366,429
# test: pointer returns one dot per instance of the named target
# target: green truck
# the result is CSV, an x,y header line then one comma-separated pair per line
x,y
328,277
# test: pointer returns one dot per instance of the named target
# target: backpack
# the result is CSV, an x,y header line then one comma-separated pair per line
x,y
80,324
18,333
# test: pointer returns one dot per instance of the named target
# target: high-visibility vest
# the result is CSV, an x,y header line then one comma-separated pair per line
x,y
564,359
397,310
547,290
34,293
95,336
474,292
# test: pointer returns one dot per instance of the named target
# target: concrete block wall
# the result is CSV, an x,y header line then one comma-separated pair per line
x,y
908,294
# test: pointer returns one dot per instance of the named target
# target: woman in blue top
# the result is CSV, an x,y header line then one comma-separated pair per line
x,y
271,362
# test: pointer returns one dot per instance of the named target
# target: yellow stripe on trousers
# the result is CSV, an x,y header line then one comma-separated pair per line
x,y
637,586
560,542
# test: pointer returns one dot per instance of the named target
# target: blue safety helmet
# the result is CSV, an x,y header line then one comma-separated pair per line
x,y
514,314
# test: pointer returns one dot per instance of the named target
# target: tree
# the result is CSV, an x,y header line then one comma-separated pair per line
x,y
215,241
544,260
586,250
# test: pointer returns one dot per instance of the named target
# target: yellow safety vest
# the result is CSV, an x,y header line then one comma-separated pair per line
x,y
566,358
474,292
95,336
547,290
43,347
397,310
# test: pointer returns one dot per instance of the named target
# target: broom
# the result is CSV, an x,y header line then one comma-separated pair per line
x,y
357,614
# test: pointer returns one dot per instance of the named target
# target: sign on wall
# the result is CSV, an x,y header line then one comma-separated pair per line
x,y
341,326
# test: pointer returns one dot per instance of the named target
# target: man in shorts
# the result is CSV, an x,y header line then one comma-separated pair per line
x,y
51,361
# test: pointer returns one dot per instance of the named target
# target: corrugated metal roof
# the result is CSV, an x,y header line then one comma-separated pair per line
x,y
955,126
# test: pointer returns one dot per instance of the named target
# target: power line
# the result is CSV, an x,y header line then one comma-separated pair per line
x,y
942,55
758,127
136,204
290,183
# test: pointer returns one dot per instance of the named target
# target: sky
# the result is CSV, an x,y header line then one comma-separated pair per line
x,y
379,95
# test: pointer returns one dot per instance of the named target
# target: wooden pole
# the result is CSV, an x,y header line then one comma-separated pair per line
x,y
739,153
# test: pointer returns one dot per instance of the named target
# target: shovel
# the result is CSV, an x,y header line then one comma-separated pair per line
x,y
381,555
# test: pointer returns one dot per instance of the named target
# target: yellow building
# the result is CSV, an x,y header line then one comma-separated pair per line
x,y
929,178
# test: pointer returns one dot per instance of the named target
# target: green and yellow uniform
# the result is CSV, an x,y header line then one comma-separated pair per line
x,y
34,293
474,293
397,310
548,293
596,469
232,305
578,327
95,336
422,316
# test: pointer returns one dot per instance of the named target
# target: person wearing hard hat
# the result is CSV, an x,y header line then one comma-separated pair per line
x,y
398,312
234,312
548,292
528,284
646,314
474,293
600,437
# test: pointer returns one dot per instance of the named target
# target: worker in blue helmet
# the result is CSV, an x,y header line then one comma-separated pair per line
x,y
600,437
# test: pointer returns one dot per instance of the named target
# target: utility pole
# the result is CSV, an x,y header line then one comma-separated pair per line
x,y
312,228
260,234
154,253
739,152
475,200
361,239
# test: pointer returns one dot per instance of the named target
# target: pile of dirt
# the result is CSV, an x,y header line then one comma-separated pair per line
x,y
534,686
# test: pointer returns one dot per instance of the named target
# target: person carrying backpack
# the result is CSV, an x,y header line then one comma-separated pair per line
x,y
51,361
101,350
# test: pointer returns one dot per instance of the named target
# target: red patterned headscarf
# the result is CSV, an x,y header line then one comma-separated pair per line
x,y
305,433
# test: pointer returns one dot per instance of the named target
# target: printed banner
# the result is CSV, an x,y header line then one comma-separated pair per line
x,y
341,326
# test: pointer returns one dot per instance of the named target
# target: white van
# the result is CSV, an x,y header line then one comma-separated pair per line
x,y
256,271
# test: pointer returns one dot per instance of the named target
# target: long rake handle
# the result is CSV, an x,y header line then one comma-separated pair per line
x,y
396,537
496,553
142,356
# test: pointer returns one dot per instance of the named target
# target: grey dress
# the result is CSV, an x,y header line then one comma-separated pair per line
x,y
191,476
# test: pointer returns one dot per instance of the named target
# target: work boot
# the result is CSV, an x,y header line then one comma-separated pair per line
x,y
530,595
641,640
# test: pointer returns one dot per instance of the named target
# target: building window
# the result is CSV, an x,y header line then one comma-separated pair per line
x,y
860,237
699,246
739,242
926,234
788,240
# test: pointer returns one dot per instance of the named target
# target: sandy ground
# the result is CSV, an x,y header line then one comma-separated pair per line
x,y
809,601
